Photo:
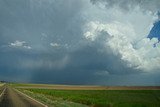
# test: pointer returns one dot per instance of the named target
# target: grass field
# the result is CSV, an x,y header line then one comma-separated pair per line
x,y
1,84
83,87
102,98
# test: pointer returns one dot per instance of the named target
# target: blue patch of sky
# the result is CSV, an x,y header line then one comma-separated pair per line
x,y
155,31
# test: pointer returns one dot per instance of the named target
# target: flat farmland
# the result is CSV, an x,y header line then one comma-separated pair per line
x,y
84,87
92,96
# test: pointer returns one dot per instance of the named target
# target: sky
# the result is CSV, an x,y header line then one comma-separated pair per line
x,y
87,42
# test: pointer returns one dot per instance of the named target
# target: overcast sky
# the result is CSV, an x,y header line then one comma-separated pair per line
x,y
99,42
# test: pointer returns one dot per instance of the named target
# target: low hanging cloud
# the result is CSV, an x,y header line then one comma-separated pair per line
x,y
57,64
19,44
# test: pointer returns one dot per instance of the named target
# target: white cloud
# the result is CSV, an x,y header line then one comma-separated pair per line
x,y
54,44
27,47
20,44
122,40
126,34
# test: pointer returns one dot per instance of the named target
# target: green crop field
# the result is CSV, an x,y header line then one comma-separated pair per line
x,y
102,98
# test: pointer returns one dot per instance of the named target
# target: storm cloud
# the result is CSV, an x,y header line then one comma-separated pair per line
x,y
79,42
126,5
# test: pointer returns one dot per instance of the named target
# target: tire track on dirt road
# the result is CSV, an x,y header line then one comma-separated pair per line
x,y
13,98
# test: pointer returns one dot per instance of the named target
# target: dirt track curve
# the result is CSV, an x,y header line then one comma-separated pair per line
x,y
12,98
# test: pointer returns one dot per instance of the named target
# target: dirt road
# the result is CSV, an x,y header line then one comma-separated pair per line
x,y
13,98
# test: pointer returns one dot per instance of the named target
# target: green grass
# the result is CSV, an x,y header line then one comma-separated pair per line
x,y
1,84
105,98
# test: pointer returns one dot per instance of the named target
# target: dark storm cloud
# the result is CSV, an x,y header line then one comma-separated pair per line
x,y
87,65
28,20
37,23
74,60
